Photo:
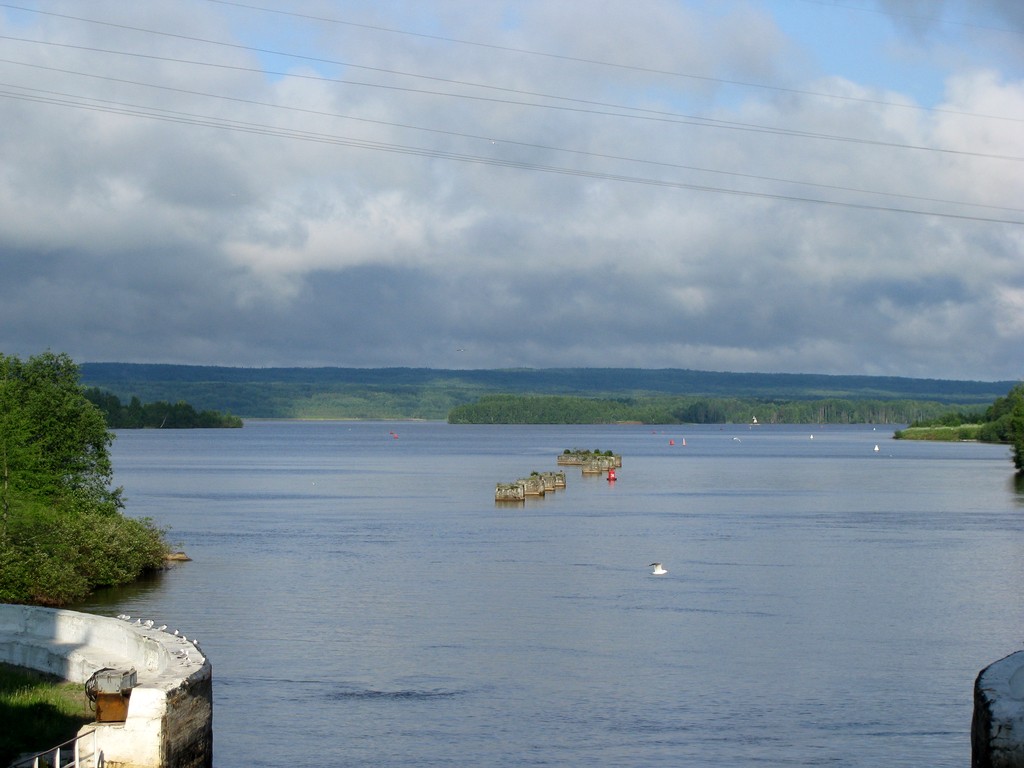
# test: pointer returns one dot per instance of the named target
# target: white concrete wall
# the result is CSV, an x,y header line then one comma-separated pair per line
x,y
997,733
170,712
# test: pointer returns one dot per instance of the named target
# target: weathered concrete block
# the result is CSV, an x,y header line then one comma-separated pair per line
x,y
509,492
599,464
532,485
997,730
553,480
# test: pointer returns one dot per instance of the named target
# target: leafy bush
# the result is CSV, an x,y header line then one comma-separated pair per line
x,y
62,533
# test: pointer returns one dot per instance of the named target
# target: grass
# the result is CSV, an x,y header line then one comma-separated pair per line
x,y
38,711
946,434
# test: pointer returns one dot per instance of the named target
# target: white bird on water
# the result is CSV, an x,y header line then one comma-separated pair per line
x,y
658,570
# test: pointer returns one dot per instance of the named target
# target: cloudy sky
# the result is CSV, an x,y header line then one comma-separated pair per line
x,y
760,185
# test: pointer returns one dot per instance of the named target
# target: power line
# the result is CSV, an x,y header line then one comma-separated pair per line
x,y
504,142
320,60
633,113
609,64
172,116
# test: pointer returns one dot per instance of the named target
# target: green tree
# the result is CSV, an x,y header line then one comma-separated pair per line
x,y
1015,424
61,531
64,442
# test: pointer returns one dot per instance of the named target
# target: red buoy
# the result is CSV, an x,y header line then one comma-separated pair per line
x,y
611,475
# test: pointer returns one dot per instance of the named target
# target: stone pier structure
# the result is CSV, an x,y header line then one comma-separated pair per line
x,y
169,718
997,732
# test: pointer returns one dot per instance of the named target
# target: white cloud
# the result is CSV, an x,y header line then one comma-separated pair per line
x,y
571,213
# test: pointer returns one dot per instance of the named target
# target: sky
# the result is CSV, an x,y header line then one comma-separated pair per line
x,y
801,186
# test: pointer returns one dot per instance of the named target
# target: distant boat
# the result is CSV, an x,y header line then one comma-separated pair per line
x,y
876,449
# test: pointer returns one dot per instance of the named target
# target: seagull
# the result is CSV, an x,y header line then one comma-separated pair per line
x,y
658,570
123,616
148,623
162,628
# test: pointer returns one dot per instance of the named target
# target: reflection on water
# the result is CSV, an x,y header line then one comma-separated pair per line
x,y
1018,487
362,598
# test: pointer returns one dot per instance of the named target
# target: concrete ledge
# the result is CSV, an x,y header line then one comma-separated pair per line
x,y
170,711
997,731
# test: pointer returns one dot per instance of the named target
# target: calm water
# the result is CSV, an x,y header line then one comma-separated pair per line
x,y
365,602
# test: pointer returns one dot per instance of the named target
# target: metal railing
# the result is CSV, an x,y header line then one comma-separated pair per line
x,y
70,754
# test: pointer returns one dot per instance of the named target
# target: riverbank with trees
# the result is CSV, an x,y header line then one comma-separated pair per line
x,y
63,532
158,415
1001,422
554,409
432,393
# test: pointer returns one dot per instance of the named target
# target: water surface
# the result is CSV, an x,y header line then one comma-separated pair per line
x,y
364,601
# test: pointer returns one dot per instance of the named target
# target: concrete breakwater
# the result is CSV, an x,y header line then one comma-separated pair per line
x,y
576,457
540,483
168,720
997,730
537,484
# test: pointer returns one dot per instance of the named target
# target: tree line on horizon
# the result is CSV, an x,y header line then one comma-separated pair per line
x,y
423,393
156,415
1001,422
555,409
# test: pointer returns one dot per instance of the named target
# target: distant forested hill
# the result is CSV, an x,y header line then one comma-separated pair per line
x,y
425,393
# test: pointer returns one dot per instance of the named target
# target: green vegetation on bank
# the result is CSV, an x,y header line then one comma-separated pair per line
x,y
158,415
37,711
427,393
1001,422
938,433
62,531
534,409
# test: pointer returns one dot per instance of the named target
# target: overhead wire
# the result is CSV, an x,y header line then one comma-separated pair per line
x,y
624,112
173,116
634,113
609,64
322,60
503,141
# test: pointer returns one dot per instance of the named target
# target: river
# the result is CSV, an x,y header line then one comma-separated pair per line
x,y
364,601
